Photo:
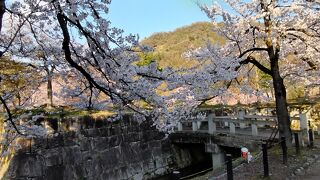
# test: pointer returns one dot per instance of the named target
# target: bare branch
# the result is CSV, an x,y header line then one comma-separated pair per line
x,y
311,64
65,46
301,31
253,61
2,11
252,50
150,76
10,117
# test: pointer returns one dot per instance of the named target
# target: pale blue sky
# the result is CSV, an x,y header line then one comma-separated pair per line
x,y
145,17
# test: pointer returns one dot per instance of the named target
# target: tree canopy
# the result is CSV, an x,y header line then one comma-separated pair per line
x,y
101,59
265,33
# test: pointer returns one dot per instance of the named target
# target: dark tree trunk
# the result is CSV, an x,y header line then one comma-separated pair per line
x,y
90,105
50,91
281,106
281,97
2,11
49,88
273,49
19,98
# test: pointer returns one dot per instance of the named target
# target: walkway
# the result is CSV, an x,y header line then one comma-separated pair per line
x,y
313,172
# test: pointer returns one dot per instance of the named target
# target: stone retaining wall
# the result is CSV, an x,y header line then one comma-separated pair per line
x,y
106,153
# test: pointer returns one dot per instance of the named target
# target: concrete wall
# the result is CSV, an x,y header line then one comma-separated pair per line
x,y
120,152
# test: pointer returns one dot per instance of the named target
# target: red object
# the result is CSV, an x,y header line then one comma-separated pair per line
x,y
244,152
244,155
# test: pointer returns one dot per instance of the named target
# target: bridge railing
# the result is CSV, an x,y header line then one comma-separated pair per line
x,y
243,122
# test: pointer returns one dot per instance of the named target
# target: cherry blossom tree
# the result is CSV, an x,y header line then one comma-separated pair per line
x,y
280,38
106,60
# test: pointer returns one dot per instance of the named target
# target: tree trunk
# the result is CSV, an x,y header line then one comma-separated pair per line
x,y
90,105
19,98
281,102
280,94
2,11
49,89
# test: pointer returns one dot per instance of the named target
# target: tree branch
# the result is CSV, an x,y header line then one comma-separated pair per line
x,y
252,50
150,76
302,31
2,11
67,51
10,118
204,100
253,61
310,64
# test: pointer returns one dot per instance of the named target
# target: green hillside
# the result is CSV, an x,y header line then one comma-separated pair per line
x,y
169,46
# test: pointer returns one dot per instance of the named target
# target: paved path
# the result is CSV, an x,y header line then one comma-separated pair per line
x,y
313,172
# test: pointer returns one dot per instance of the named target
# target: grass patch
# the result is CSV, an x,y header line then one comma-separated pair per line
x,y
59,112
101,114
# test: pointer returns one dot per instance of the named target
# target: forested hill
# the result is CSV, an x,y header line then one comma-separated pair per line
x,y
169,46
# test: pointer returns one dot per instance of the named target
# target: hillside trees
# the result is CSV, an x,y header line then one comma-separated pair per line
x,y
47,59
18,81
265,33
170,45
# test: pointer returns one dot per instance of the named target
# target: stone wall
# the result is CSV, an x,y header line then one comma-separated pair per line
x,y
110,152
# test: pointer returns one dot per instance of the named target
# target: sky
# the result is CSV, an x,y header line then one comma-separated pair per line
x,y
146,17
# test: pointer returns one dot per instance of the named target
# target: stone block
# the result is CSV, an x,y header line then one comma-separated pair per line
x,y
129,154
71,155
114,140
115,130
54,172
85,144
136,168
55,141
69,172
154,144
131,137
86,156
69,141
143,146
123,173
212,148
158,135
108,175
146,154
92,133
39,143
27,165
134,128
110,158
100,143
147,136
53,157
104,132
